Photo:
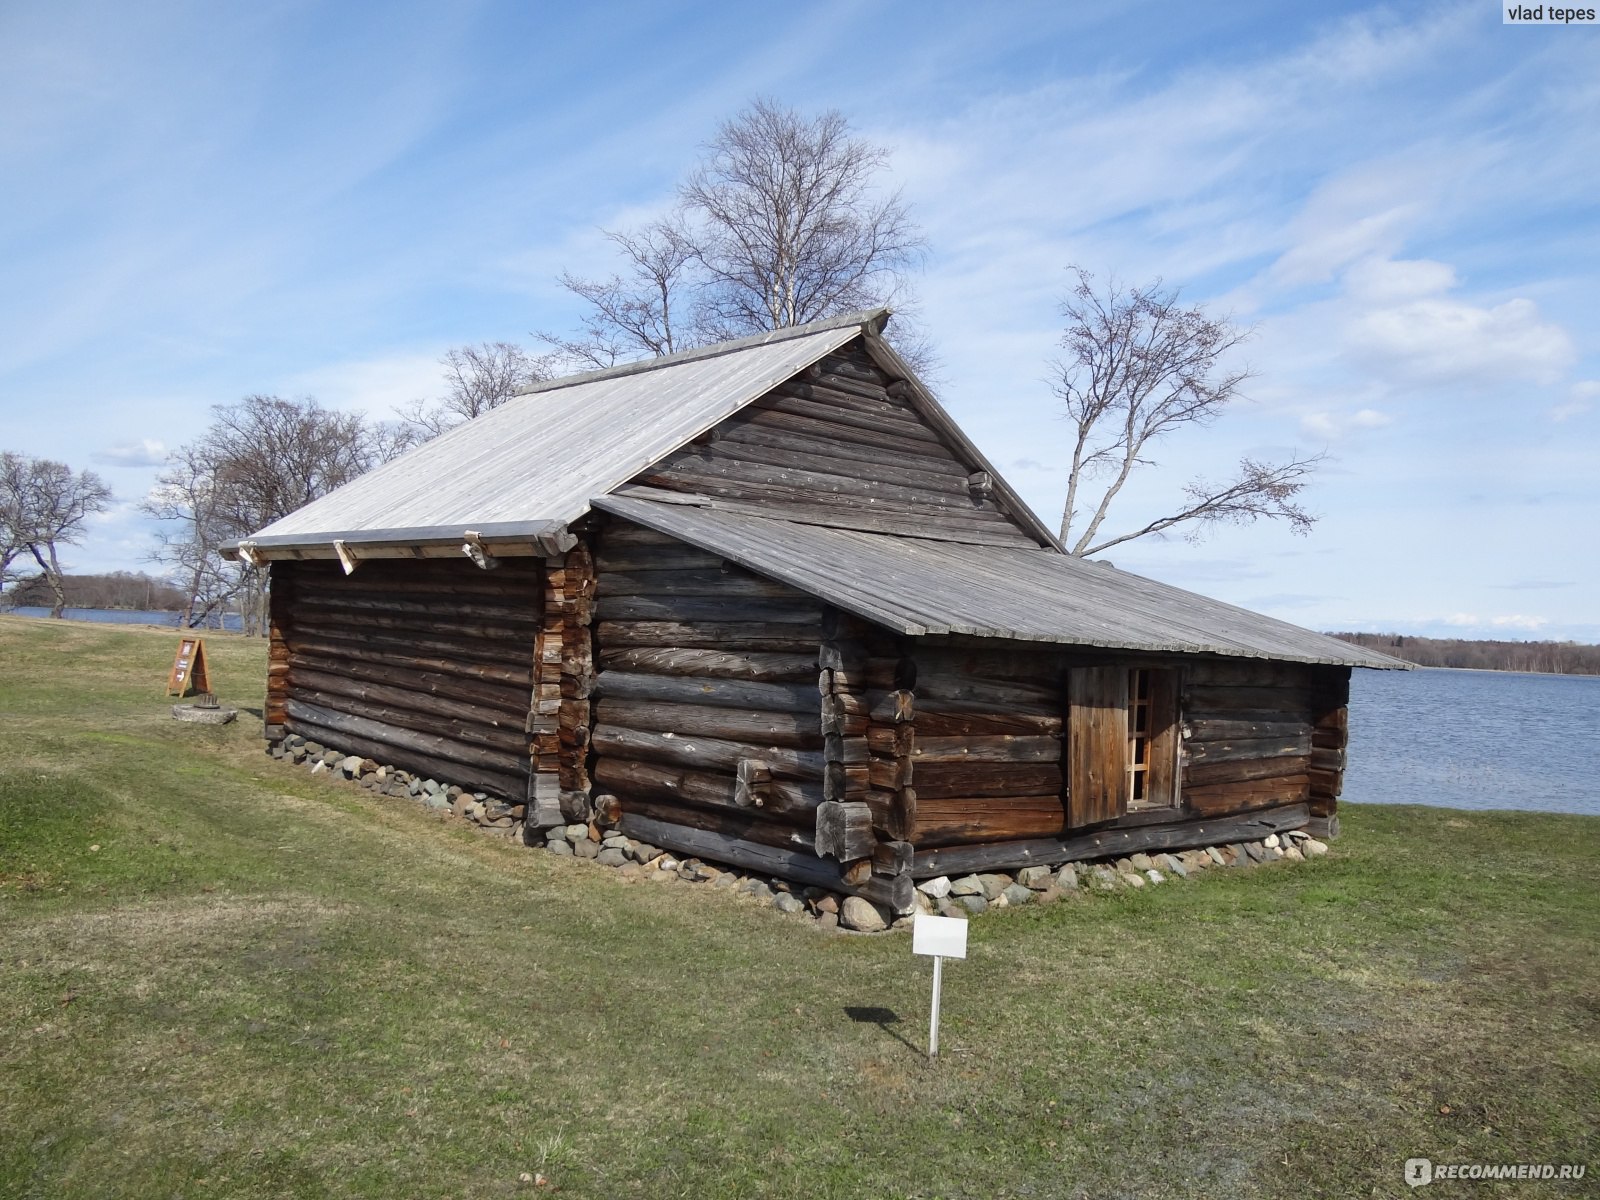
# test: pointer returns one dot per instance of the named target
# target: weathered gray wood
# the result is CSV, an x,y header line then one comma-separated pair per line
x,y
798,731
793,800
464,774
992,748
710,664
768,480
1244,769
432,745
703,753
1207,728
425,704
896,891
797,611
719,693
1230,751
1108,843
936,461
508,739
728,584
503,699
899,471
711,635
844,830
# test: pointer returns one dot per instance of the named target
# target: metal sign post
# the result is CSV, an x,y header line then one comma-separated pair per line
x,y
940,938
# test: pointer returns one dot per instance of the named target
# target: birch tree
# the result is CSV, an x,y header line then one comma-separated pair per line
x,y
784,220
1139,367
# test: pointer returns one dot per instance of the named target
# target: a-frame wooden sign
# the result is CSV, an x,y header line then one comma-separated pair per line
x,y
189,672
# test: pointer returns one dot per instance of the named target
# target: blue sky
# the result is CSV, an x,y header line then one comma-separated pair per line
x,y
202,201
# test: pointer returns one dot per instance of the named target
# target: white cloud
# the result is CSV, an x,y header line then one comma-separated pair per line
x,y
1337,425
146,452
1438,339
1582,398
375,386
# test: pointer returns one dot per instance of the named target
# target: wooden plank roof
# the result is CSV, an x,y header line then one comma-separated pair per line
x,y
919,586
538,459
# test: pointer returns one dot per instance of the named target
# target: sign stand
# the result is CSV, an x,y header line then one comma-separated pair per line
x,y
189,673
940,938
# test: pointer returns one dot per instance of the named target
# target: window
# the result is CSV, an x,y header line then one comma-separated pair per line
x,y
1122,742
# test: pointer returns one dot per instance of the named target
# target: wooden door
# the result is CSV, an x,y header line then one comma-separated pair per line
x,y
1097,744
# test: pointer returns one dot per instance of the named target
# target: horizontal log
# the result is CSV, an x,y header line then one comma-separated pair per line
x,y
424,706
712,664
712,635
1218,798
1213,727
519,610
507,644
447,696
799,611
935,460
1327,760
447,771
761,480
432,745
1229,751
359,700
942,478
941,780
509,679
984,748
1108,843
935,720
634,560
795,866
749,825
1329,739
1239,770
1287,700
715,582
871,424
953,820
419,653
1246,672
720,693
797,731
1025,697
665,782
703,753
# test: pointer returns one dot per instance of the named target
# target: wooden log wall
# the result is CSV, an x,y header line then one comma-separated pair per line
x,y
705,709
987,742
280,604
1258,734
869,811
426,665
839,446
560,717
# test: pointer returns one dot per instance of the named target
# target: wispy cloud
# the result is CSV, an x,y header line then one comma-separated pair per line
x,y
147,452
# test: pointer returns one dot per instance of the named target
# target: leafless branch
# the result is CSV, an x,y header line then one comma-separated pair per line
x,y
1139,365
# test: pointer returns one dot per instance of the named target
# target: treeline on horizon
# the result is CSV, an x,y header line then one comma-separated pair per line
x,y
1553,658
119,589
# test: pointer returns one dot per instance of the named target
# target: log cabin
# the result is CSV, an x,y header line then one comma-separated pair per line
x,y
765,603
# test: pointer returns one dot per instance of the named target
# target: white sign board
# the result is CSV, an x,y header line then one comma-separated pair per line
x,y
940,937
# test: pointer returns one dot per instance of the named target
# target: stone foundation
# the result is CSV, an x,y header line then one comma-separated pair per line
x,y
637,861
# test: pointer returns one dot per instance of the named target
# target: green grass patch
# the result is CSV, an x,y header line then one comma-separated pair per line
x,y
262,984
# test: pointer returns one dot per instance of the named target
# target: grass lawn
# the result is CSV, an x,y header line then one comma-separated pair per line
x,y
220,976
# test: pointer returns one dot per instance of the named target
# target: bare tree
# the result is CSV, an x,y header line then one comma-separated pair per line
x,y
261,459
185,500
782,222
477,379
45,505
1140,366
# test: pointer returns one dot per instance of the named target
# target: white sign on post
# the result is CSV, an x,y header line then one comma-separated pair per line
x,y
940,938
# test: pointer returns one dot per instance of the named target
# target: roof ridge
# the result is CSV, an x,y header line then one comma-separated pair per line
x,y
871,318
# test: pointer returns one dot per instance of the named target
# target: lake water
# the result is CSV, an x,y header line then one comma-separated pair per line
x,y
1475,739
123,616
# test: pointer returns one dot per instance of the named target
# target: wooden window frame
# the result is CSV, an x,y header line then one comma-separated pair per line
x,y
1101,704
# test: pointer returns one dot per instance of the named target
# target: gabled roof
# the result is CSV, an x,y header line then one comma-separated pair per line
x,y
916,586
532,465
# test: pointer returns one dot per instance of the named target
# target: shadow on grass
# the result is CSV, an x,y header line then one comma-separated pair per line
x,y
883,1018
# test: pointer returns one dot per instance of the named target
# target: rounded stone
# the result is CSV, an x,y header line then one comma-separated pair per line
x,y
204,716
862,915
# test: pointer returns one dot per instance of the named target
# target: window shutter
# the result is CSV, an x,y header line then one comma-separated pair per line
x,y
1097,744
